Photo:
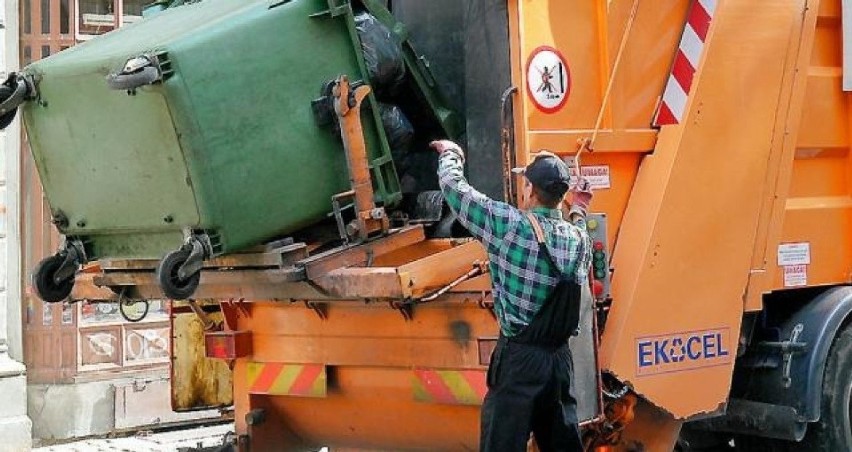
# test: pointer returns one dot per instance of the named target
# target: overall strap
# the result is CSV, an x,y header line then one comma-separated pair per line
x,y
537,230
559,316
539,236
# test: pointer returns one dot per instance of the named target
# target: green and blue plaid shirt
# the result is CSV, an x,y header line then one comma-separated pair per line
x,y
522,278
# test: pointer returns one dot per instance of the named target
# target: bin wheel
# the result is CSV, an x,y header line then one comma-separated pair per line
x,y
46,288
167,274
6,119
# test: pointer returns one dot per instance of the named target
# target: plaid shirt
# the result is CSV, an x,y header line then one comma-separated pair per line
x,y
522,278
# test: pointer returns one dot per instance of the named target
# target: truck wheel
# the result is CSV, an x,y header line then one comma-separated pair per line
x,y
7,118
833,431
167,275
46,288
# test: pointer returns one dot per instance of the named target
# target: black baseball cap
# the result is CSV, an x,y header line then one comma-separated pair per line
x,y
547,172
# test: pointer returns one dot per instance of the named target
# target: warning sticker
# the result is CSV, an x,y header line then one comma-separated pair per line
x,y
548,79
598,176
794,254
795,275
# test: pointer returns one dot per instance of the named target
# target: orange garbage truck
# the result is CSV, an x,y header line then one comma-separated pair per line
x,y
716,134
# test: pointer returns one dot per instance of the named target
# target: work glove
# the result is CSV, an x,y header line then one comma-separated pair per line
x,y
580,196
441,146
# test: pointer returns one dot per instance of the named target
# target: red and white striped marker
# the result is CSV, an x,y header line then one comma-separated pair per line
x,y
686,62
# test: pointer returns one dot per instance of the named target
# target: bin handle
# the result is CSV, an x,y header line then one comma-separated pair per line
x,y
17,97
123,82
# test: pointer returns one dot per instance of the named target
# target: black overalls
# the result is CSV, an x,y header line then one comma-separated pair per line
x,y
529,377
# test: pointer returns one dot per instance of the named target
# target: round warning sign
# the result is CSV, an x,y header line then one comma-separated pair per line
x,y
548,79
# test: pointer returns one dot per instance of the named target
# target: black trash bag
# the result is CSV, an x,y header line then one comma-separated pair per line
x,y
400,135
382,54
397,127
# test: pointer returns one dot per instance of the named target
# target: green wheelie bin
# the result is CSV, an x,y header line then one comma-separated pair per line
x,y
194,133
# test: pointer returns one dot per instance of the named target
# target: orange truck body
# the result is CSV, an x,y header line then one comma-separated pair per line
x,y
746,196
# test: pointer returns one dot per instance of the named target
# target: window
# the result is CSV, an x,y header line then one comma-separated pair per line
x,y
96,17
132,11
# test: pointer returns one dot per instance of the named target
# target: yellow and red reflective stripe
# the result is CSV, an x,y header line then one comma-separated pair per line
x,y
302,380
455,387
692,45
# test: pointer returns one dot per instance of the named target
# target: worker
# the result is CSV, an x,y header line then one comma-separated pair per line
x,y
536,289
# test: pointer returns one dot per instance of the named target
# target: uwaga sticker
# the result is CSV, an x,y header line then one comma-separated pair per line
x,y
548,79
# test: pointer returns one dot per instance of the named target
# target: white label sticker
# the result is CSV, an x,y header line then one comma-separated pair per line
x,y
598,176
794,254
795,275
548,79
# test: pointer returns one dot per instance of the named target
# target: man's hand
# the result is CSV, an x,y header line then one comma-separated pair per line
x,y
441,146
580,196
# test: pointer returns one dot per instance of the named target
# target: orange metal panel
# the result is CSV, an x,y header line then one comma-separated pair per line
x,y
440,335
572,29
775,188
589,35
440,269
824,223
352,417
824,121
655,430
247,284
319,265
441,264
368,350
647,57
613,201
360,282
565,141
413,252
818,209
687,239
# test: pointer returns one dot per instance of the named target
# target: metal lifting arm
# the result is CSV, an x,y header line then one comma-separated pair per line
x,y
347,105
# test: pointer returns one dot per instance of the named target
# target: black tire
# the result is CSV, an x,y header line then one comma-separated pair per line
x,y
43,283
833,431
167,275
6,119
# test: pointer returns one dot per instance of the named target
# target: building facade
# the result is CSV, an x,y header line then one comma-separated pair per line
x,y
15,426
89,371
